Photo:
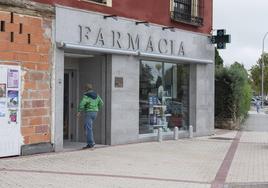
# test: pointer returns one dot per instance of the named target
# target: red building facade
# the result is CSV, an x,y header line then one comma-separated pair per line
x,y
159,12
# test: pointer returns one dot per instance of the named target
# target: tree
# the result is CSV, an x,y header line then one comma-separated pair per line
x,y
233,92
241,88
255,75
218,59
146,78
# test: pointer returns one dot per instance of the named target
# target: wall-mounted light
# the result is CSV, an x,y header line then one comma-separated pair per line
x,y
170,28
142,22
110,16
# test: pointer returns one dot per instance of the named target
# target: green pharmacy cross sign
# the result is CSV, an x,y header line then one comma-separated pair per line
x,y
221,39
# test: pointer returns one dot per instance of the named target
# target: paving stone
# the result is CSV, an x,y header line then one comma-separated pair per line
x,y
184,163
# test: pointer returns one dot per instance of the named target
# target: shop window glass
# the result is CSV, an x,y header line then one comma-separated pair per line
x,y
164,96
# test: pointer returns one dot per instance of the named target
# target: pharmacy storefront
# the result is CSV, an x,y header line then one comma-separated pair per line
x,y
148,75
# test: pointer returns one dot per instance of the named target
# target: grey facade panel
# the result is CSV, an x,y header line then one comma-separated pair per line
x,y
91,29
125,100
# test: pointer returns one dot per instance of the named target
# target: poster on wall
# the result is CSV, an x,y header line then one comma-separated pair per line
x,y
12,78
2,90
10,110
13,98
2,109
13,116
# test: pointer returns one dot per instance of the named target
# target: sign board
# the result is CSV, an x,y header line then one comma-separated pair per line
x,y
10,110
221,39
92,29
118,82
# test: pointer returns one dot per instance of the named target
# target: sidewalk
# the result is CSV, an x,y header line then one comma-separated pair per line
x,y
263,110
229,159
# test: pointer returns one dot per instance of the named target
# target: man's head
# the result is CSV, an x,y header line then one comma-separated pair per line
x,y
88,87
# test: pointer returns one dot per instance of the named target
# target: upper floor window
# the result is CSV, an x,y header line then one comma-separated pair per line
x,y
105,2
187,11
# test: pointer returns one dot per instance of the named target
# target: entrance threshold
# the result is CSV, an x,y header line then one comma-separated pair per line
x,y
74,146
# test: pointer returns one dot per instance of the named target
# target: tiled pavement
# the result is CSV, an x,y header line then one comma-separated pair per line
x,y
249,167
60,181
180,162
186,163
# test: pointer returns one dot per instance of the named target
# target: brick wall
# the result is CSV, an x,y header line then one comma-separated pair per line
x,y
26,41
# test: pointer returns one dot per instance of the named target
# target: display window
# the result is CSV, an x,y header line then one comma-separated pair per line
x,y
164,96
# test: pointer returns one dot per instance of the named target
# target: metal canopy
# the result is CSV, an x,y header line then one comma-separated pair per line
x,y
86,48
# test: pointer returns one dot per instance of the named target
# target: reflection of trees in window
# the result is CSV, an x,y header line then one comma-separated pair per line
x,y
150,78
176,85
146,80
180,82
158,82
159,68
146,73
168,82
175,80
183,91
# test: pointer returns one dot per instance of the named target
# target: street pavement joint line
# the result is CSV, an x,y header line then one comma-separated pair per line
x,y
226,164
253,143
101,175
215,141
247,183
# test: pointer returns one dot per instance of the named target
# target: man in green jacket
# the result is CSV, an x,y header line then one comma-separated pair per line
x,y
90,104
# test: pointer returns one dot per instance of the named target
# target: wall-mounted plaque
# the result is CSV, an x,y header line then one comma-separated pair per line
x,y
118,82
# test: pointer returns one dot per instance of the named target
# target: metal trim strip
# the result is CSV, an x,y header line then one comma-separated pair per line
x,y
70,46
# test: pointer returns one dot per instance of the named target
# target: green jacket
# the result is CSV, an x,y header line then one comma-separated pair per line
x,y
90,102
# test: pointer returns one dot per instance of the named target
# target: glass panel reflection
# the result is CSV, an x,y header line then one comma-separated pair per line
x,y
164,96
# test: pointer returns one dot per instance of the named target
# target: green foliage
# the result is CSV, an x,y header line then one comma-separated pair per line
x,y
232,91
255,75
246,96
241,88
255,72
223,97
218,59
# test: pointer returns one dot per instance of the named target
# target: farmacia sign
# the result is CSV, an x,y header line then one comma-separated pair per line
x,y
129,41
